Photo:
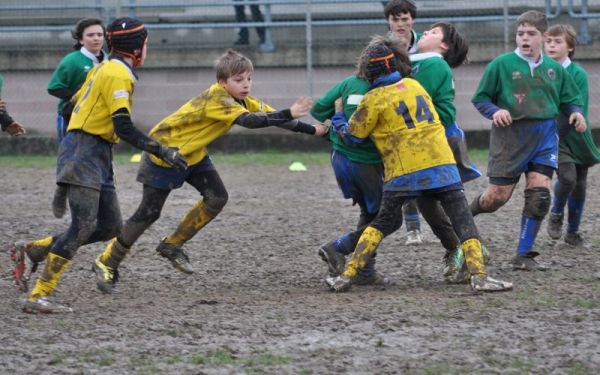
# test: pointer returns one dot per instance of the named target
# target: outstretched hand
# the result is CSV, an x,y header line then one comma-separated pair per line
x,y
15,129
321,130
2,106
578,121
301,107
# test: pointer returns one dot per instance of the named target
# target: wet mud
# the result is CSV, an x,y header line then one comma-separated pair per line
x,y
257,303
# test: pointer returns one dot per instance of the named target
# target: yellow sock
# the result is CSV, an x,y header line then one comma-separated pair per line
x,y
114,254
196,218
48,280
474,257
39,249
366,246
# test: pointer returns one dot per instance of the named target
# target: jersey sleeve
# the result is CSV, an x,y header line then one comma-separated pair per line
x,y
364,120
324,107
488,85
118,94
224,109
62,76
582,82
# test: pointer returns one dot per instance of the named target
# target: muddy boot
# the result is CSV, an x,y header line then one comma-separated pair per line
x,y
527,263
23,265
176,256
106,277
574,239
38,300
455,269
375,279
487,284
334,259
59,202
44,305
554,227
414,237
339,283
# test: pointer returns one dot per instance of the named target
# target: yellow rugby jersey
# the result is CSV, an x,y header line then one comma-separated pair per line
x,y
107,88
402,122
200,121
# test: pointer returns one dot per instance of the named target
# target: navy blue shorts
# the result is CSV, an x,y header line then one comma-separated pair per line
x,y
85,160
168,178
359,181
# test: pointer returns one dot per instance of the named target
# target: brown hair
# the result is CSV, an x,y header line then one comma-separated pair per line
x,y
457,44
231,63
535,19
566,31
397,7
393,42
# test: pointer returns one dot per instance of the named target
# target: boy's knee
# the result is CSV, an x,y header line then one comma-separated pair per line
x,y
216,203
537,202
490,202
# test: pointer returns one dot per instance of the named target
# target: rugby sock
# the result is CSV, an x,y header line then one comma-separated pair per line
x,y
365,248
560,199
196,218
529,229
48,280
412,222
39,249
575,213
114,254
344,244
474,257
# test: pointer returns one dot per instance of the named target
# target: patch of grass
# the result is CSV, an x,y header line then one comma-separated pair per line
x,y
479,156
99,358
55,361
266,360
523,365
217,358
442,370
173,360
587,303
579,369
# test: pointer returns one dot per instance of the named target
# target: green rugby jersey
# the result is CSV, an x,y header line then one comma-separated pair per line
x,y
536,92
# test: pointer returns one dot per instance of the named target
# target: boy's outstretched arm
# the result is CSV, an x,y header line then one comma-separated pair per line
x,y
130,134
8,124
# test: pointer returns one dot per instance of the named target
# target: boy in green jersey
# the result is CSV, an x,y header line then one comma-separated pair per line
x,y
523,92
576,151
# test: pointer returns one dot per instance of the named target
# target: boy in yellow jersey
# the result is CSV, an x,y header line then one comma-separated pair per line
x,y
399,117
191,129
100,118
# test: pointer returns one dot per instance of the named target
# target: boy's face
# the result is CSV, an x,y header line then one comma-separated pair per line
x,y
401,25
238,85
92,39
431,41
529,41
557,47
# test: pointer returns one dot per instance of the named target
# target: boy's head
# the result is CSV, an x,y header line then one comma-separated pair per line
x,y
234,73
444,39
89,33
127,37
531,27
560,42
398,47
400,15
379,60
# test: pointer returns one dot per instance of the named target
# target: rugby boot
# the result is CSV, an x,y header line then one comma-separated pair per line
x,y
526,263
59,201
176,256
338,283
554,226
376,279
106,277
455,269
24,267
487,284
574,239
43,305
334,259
414,237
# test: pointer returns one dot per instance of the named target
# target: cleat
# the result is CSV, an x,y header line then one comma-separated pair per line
x,y
106,277
574,239
487,284
455,269
554,226
42,305
338,283
376,279
414,237
525,263
487,257
24,267
59,202
176,256
334,259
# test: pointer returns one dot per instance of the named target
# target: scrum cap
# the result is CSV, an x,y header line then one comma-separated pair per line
x,y
381,62
126,36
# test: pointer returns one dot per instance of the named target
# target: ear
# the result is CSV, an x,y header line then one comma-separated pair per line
x,y
222,82
444,47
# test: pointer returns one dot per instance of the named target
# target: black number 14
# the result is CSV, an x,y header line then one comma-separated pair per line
x,y
423,112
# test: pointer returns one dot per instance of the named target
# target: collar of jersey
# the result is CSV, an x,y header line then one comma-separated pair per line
x,y
567,62
121,61
91,56
386,80
423,56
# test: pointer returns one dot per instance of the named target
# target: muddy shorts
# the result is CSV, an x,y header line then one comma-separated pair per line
x,y
85,160
458,144
359,181
168,178
514,149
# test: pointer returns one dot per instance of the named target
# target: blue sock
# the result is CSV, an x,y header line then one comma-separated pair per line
x,y
529,228
560,199
344,244
575,213
412,222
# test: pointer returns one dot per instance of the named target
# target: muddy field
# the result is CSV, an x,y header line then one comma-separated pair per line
x,y
257,304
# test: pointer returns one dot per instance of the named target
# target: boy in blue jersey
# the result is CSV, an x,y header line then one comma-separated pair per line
x,y
523,92
398,116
